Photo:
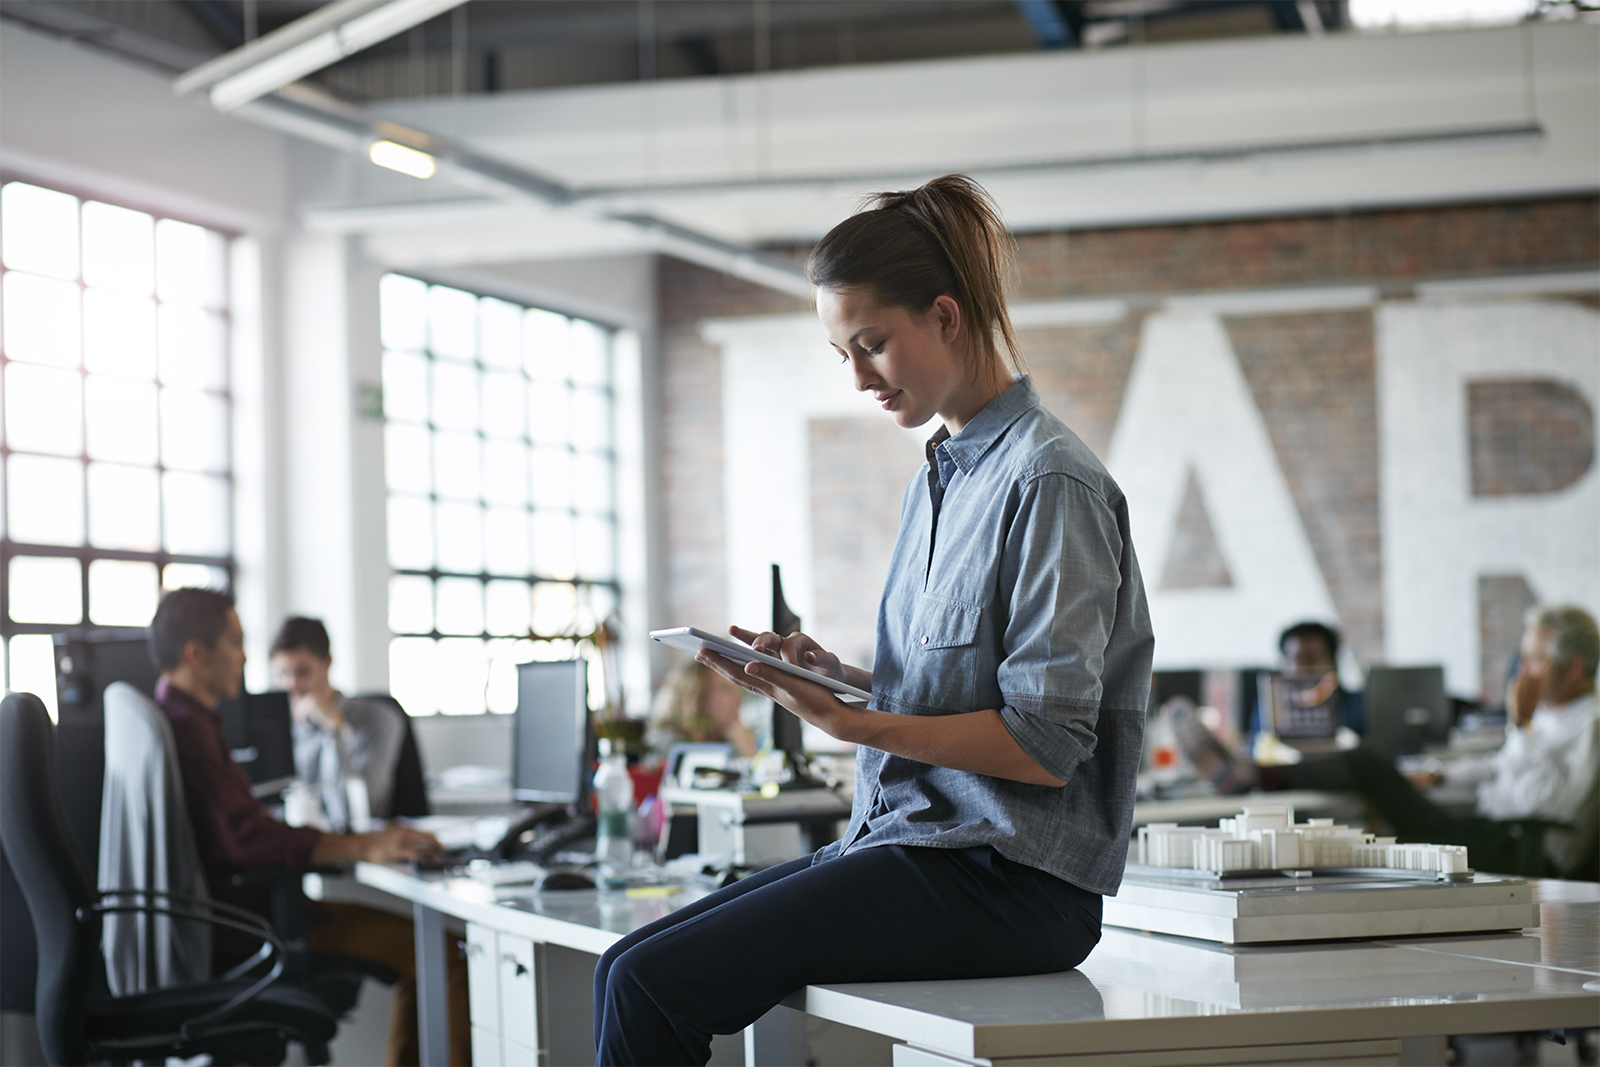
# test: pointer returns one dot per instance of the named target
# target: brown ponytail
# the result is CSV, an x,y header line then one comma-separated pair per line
x,y
944,238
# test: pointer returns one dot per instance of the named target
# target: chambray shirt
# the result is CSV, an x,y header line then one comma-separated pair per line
x,y
1013,586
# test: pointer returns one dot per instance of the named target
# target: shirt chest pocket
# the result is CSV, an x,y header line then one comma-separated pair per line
x,y
942,659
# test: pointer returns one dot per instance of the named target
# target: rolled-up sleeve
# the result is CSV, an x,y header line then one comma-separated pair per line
x,y
1061,570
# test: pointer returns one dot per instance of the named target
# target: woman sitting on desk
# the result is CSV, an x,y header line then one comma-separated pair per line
x,y
995,774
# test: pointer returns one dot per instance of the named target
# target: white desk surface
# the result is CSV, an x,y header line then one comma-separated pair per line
x,y
584,919
1146,991
792,804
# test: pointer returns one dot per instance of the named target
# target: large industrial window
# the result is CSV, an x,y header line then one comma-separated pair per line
x,y
115,419
500,467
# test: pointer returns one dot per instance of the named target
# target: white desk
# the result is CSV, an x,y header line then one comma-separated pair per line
x,y
754,829
1138,998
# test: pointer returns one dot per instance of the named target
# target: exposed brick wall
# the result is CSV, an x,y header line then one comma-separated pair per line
x,y
1312,377
1402,245
1528,436
691,431
859,469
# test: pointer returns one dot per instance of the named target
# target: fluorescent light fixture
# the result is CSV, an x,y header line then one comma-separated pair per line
x,y
405,160
296,60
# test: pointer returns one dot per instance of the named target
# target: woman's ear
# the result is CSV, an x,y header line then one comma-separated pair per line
x,y
946,315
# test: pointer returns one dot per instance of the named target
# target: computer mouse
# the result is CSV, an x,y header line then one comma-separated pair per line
x,y
569,878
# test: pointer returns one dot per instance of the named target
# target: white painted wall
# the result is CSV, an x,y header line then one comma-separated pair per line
x,y
1437,538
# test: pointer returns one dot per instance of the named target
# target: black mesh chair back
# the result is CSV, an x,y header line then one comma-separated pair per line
x,y
410,797
51,872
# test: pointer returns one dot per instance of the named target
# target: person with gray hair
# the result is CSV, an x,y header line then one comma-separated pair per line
x,y
1552,749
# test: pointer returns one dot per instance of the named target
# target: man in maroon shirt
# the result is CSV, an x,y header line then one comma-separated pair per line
x,y
198,643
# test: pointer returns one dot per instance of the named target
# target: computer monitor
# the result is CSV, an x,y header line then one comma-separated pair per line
x,y
786,725
1301,709
1406,708
550,748
259,731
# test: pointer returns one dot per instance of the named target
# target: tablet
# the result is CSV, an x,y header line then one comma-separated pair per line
x,y
692,640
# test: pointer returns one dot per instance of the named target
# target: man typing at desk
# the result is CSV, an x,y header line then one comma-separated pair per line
x,y
198,644
1545,770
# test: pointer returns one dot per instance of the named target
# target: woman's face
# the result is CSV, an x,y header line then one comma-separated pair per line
x,y
910,362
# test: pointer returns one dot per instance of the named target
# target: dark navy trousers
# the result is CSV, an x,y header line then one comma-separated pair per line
x,y
883,914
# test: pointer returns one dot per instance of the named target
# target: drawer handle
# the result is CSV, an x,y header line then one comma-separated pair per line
x,y
521,968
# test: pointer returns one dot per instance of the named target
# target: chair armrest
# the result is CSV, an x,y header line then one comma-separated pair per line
x,y
214,914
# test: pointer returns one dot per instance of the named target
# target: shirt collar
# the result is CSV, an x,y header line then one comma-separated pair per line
x,y
987,426
167,694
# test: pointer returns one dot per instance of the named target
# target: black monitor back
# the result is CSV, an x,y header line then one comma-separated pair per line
x,y
1406,709
259,730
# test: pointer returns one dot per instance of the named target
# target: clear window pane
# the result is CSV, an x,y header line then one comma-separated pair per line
x,y
191,264
591,419
458,465
193,576
505,412
552,477
455,396
463,673
405,387
555,608
120,419
406,462
459,605
595,550
452,323
194,430
460,533
549,414
506,541
44,409
403,311
124,507
591,354
44,500
546,345
196,514
552,545
42,319
119,334
119,248
410,533
46,590
591,482
596,603
502,689
194,348
32,669
505,472
40,230
508,608
122,592
410,604
500,328
413,674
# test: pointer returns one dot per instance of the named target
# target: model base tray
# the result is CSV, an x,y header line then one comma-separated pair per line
x,y
1329,905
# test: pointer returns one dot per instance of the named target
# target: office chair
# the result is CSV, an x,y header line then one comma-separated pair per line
x,y
245,1016
410,796
1546,849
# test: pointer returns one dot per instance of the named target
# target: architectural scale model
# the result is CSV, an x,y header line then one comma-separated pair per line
x,y
1265,837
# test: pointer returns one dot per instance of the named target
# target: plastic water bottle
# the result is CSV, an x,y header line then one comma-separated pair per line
x,y
613,788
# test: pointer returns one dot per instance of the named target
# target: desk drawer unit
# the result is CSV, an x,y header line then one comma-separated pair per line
x,y
483,980
519,998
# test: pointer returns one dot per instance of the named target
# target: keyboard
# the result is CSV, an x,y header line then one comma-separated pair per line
x,y
516,872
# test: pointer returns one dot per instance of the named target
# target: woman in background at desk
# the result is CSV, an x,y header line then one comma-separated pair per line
x,y
698,704
995,774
